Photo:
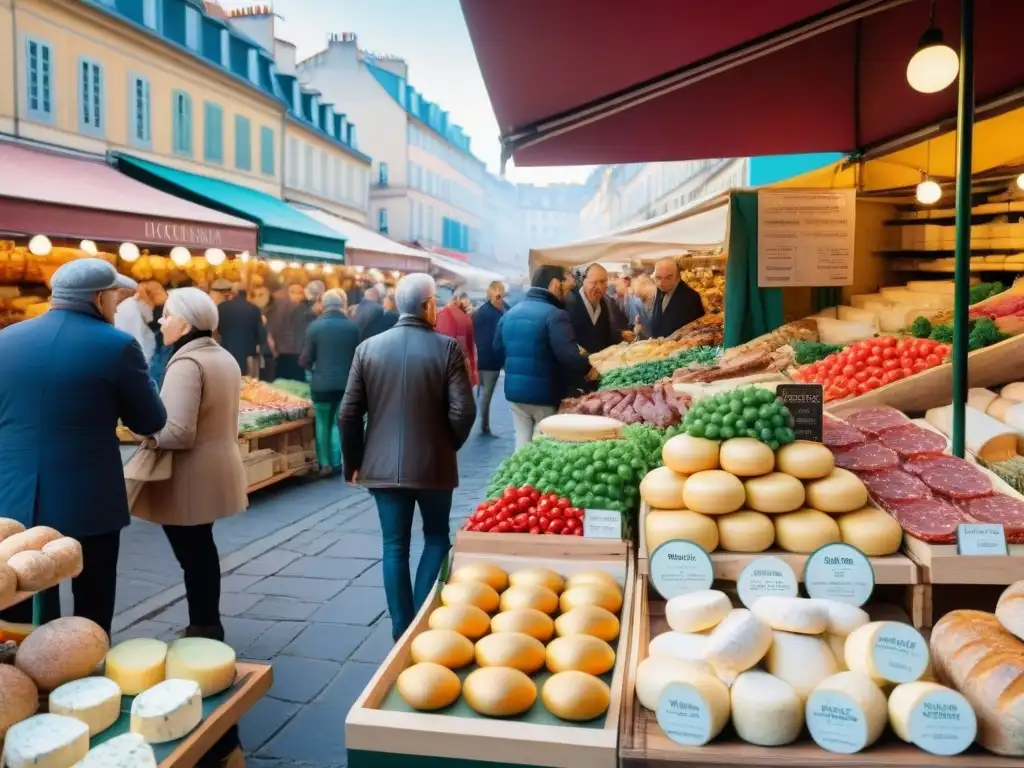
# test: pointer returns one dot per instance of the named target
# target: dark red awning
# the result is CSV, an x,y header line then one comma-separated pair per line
x,y
843,88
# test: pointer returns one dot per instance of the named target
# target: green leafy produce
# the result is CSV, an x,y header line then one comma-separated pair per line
x,y
295,388
1010,471
983,291
744,412
805,352
943,333
651,371
921,328
984,333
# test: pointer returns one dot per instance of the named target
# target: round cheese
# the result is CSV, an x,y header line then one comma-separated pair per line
x,y
887,652
663,489
136,664
488,573
688,647
840,491
685,455
865,713
467,620
803,661
510,649
805,460
590,594
697,611
583,652
745,531
168,711
907,697
529,621
575,696
765,709
872,531
62,650
843,618
96,701
543,577
19,697
46,740
128,749
529,596
713,492
657,671
588,620
739,642
791,614
805,530
210,663
837,644
713,696
441,646
661,525
483,596
428,686
746,457
499,691
580,427
774,493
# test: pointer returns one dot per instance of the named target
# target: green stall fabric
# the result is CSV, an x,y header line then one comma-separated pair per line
x,y
749,311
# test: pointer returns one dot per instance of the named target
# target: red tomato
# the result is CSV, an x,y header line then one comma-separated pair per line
x,y
875,360
556,513
849,370
532,519
578,532
488,522
523,503
543,521
510,493
564,503
556,526
552,498
529,489
861,376
534,530
522,517
932,360
503,516
890,353
890,364
534,496
920,365
572,524
873,383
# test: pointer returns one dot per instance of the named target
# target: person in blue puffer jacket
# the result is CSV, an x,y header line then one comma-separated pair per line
x,y
543,362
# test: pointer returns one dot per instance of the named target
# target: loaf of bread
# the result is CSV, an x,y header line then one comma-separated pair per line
x,y
972,653
32,539
1010,609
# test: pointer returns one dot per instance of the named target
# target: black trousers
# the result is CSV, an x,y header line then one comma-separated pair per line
x,y
196,552
94,589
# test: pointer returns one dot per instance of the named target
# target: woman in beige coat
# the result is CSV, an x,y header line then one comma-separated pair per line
x,y
201,392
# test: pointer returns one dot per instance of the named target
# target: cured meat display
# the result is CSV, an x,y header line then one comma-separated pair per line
x,y
838,435
657,406
912,441
894,485
932,520
954,478
998,508
874,421
867,457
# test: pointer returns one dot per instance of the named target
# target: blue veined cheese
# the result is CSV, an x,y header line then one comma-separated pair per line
x,y
167,711
129,750
96,701
46,741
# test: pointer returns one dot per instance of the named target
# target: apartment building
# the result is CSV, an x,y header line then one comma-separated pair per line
x,y
551,213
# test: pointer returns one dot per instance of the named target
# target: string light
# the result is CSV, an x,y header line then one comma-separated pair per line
x,y
215,256
40,245
243,257
1020,181
328,269
180,256
277,265
928,192
128,252
89,247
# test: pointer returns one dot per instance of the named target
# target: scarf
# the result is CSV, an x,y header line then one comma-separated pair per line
x,y
189,337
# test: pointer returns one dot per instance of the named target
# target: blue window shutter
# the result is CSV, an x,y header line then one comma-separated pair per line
x,y
243,143
213,133
39,80
267,150
91,118
139,111
181,108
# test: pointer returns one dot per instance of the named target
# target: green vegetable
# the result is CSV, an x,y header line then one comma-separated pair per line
x,y
943,333
806,352
745,412
921,328
983,291
984,333
652,371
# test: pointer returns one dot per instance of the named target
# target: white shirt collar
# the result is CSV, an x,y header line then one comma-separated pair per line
x,y
667,298
594,312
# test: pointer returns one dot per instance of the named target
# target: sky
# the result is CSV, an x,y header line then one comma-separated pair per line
x,y
431,36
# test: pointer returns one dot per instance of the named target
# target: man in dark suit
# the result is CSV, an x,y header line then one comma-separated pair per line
x,y
596,318
676,304
242,332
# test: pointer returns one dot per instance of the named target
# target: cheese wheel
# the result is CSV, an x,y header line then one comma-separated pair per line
x,y
543,577
46,740
803,661
467,620
590,594
19,697
167,711
697,611
746,457
998,409
805,530
872,531
774,493
713,695
428,686
745,531
510,649
580,427
128,749
210,663
588,620
1013,391
713,492
663,489
887,652
499,691
441,646
528,596
865,713
766,710
791,614
685,646
661,525
907,697
529,621
583,652
62,650
96,701
483,596
35,571
837,644
841,491
843,618
575,696
136,664
805,460
685,455
657,671
488,573
739,642
980,398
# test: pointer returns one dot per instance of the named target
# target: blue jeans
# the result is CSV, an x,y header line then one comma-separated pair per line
x,y
395,507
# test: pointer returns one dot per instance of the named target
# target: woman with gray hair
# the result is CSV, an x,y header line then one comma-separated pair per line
x,y
330,346
201,391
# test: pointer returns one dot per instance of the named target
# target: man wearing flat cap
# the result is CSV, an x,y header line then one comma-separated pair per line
x,y
66,379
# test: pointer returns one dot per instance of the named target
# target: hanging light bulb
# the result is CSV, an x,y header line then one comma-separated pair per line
x,y
328,269
277,265
294,265
928,192
128,252
1020,181
180,255
214,256
89,247
40,245
934,66
311,267
244,257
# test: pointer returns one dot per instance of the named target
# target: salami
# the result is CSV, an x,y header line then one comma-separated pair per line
x,y
954,478
839,436
998,508
874,421
929,519
867,457
894,485
912,441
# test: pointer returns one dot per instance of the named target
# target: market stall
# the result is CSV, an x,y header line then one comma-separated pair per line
x,y
368,249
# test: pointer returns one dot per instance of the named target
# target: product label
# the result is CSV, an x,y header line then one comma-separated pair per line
x,y
836,722
806,403
766,576
683,715
602,524
943,723
839,572
981,539
680,566
900,654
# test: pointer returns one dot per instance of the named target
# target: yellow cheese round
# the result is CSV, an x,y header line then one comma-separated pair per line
x,y
588,620
510,649
529,621
529,596
866,709
499,691
544,577
580,427
427,686
805,460
593,577
713,492
685,455
805,530
591,594
872,531
210,663
488,573
468,620
475,593
575,696
583,652
745,531
840,491
661,525
746,457
662,488
774,494
136,665
442,646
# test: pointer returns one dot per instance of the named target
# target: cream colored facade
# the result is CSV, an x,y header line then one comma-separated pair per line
x,y
6,68
320,173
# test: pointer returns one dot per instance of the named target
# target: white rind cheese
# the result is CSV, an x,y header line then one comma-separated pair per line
x,y
791,614
681,645
887,652
656,672
843,618
765,709
846,713
803,661
96,701
46,741
697,611
739,642
167,711
129,750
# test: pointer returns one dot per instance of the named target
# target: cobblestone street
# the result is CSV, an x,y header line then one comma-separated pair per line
x,y
302,588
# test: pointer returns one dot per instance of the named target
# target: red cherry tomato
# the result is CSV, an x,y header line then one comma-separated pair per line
x,y
564,503
556,526
532,519
534,530
510,493
524,503
529,489
503,527
932,360
578,532
544,521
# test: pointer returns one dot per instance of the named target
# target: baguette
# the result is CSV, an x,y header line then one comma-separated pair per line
x,y
1010,609
972,653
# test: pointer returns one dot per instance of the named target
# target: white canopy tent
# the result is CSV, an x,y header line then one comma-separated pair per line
x,y
462,274
364,247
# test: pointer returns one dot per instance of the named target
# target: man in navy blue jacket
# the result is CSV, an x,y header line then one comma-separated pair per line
x,y
676,303
543,362
489,361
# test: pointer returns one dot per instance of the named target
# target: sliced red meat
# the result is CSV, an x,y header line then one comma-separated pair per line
x,y
954,478
912,441
839,436
867,457
998,508
929,519
894,485
874,421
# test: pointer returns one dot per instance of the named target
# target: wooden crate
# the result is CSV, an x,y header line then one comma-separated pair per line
x,y
541,546
375,736
282,439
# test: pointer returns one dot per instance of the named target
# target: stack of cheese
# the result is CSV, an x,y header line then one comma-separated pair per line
x,y
35,559
788,661
504,624
741,496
